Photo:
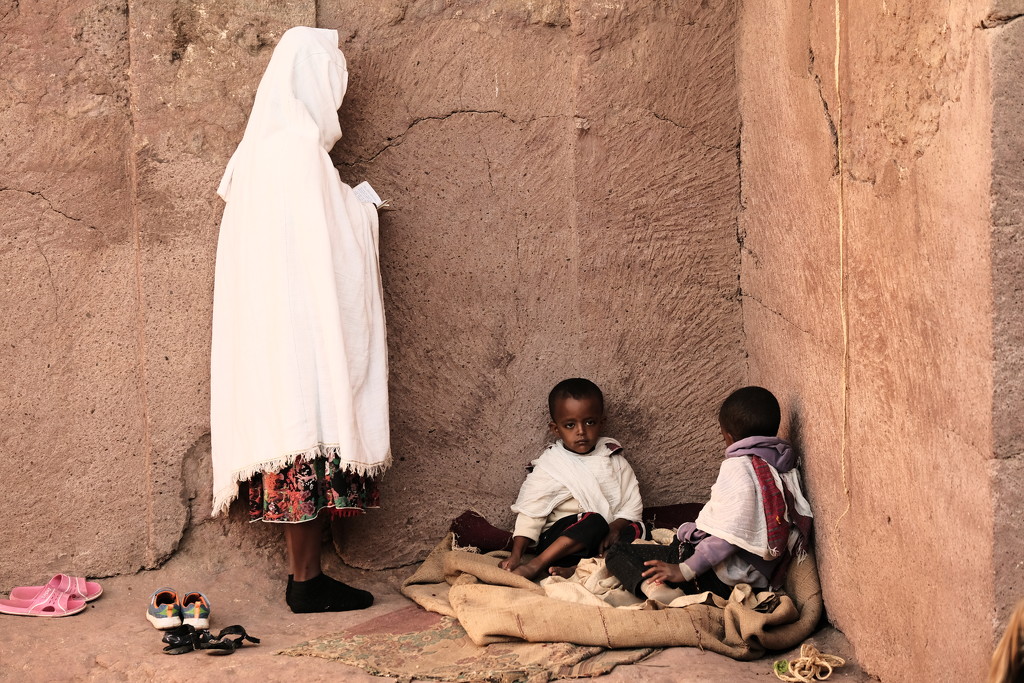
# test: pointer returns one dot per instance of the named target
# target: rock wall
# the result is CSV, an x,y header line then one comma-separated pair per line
x,y
1005,31
568,211
881,299
565,182
74,426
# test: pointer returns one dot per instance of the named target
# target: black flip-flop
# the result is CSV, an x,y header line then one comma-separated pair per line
x,y
186,638
183,639
222,645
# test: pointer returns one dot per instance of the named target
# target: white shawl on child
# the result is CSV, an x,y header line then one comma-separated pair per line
x,y
602,481
735,512
299,360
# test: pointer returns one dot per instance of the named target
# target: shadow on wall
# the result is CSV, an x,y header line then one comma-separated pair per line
x,y
795,426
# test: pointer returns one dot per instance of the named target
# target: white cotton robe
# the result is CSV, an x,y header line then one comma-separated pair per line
x,y
299,356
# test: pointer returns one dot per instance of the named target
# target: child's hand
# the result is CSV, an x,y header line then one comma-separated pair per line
x,y
660,572
611,539
614,533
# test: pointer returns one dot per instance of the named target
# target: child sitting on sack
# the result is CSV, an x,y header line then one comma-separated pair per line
x,y
756,520
581,496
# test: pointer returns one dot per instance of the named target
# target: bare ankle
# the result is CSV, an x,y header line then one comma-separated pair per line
x,y
528,571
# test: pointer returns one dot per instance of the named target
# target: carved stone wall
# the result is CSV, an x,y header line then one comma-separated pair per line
x,y
565,183
880,283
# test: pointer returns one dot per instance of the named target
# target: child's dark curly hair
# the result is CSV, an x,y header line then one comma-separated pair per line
x,y
750,411
577,388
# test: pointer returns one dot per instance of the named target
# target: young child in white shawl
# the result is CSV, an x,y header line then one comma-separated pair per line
x,y
581,496
756,520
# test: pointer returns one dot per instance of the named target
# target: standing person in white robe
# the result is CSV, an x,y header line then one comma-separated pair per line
x,y
298,394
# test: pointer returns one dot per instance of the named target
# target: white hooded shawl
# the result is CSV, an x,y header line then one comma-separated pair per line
x,y
299,357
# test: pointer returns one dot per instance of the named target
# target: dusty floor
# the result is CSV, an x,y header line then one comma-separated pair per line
x,y
112,641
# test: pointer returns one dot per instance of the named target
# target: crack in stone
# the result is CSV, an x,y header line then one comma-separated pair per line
x,y
746,295
397,139
996,20
487,161
53,285
739,174
828,114
692,132
831,127
50,204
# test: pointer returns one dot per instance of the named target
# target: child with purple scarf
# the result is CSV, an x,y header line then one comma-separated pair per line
x,y
755,522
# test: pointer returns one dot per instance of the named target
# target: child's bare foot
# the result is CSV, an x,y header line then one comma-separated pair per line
x,y
527,570
564,572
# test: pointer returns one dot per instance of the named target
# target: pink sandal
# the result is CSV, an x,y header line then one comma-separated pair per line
x,y
50,602
76,587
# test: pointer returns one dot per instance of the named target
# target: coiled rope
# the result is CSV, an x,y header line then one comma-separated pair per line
x,y
810,666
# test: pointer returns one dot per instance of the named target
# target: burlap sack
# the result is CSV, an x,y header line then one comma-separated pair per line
x,y
494,605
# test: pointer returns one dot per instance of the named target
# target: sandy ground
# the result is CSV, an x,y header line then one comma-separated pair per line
x,y
112,641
